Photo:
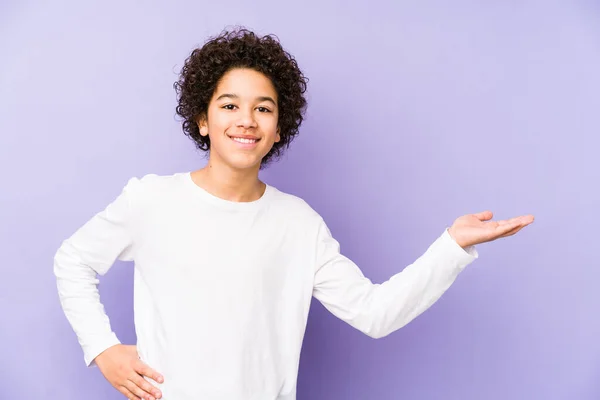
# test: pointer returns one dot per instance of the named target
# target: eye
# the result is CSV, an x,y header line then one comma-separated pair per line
x,y
229,107
263,109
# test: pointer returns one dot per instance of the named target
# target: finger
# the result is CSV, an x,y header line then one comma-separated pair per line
x,y
507,226
127,393
484,216
146,386
145,370
136,390
510,233
523,219
527,219
517,229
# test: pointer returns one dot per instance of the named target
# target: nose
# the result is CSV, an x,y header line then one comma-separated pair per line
x,y
246,120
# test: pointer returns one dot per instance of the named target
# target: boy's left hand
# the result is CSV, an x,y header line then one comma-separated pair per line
x,y
473,229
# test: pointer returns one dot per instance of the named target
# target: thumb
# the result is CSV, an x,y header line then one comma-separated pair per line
x,y
484,216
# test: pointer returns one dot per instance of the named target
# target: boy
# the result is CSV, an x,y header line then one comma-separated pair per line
x,y
226,265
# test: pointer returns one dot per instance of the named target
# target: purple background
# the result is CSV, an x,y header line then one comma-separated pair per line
x,y
417,114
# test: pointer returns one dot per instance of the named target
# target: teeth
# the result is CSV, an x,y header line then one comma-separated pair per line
x,y
242,140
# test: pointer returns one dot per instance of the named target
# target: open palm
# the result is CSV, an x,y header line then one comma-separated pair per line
x,y
478,228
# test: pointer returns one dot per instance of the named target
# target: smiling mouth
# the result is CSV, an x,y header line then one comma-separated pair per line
x,y
243,140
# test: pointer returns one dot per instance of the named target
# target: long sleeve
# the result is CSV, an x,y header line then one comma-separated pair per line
x,y
380,309
90,251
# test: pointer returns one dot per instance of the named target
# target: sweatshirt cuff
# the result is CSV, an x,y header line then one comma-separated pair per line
x,y
461,256
92,351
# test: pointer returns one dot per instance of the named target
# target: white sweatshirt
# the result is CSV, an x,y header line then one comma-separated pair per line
x,y
222,289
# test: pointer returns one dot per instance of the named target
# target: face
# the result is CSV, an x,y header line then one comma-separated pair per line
x,y
242,119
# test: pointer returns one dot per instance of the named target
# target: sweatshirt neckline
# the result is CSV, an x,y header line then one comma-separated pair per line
x,y
228,204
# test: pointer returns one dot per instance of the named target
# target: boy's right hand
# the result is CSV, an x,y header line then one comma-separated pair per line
x,y
122,367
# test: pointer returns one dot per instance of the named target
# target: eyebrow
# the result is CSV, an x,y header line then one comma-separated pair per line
x,y
235,96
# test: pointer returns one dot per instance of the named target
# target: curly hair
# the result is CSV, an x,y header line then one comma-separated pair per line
x,y
241,48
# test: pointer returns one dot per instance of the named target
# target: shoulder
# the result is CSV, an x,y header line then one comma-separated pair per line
x,y
294,207
153,183
153,188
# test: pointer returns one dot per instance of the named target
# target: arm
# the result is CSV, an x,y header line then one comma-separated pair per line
x,y
379,309
90,251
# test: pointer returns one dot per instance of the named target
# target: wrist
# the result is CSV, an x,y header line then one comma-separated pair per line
x,y
101,356
456,238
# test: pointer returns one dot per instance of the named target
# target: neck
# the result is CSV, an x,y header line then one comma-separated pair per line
x,y
229,184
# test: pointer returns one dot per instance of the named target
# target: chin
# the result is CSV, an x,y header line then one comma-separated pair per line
x,y
245,164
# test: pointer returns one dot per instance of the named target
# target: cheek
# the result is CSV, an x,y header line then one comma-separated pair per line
x,y
215,122
219,121
272,128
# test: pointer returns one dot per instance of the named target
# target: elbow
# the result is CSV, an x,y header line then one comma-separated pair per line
x,y
58,261
374,334
373,328
379,325
67,264
368,320
381,331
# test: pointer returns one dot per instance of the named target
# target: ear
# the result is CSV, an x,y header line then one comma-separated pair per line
x,y
202,124
278,137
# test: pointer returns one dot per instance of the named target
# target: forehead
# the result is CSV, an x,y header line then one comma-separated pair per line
x,y
245,82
